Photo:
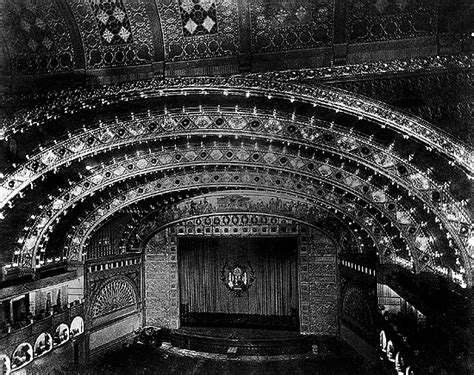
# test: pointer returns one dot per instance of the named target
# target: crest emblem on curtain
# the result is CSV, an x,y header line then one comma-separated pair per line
x,y
237,277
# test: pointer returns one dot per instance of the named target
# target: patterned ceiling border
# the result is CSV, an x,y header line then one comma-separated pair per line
x,y
224,121
140,164
199,29
336,99
113,32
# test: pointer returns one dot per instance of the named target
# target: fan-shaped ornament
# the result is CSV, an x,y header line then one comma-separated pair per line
x,y
114,295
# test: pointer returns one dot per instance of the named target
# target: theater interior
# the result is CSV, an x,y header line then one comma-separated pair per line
x,y
232,186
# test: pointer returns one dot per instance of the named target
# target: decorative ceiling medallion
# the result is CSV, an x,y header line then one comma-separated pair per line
x,y
238,277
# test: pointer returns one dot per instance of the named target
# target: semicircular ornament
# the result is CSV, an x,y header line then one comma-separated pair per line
x,y
237,276
114,295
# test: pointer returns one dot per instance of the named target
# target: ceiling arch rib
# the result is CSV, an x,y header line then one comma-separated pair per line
x,y
256,124
313,207
228,123
61,103
269,156
44,226
129,169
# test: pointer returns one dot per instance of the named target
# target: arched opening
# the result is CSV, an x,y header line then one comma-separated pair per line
x,y
61,335
77,326
241,270
22,355
43,344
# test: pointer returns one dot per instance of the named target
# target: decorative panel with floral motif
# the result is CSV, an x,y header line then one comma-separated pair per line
x,y
198,17
114,32
38,36
290,24
113,295
196,29
374,20
112,21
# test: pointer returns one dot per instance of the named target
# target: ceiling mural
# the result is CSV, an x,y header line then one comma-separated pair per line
x,y
290,24
113,32
375,20
199,29
39,37
316,209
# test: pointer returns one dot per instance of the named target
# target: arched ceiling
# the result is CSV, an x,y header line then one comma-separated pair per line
x,y
81,157
104,41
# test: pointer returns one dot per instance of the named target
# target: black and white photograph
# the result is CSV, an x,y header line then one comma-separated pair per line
x,y
236,187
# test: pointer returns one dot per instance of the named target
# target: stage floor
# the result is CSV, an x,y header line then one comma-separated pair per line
x,y
239,333
240,341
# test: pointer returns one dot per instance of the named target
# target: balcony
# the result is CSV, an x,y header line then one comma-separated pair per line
x,y
57,327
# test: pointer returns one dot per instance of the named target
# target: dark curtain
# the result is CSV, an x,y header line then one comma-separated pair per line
x,y
273,260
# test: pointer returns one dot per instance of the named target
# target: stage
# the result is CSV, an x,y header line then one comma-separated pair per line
x,y
240,341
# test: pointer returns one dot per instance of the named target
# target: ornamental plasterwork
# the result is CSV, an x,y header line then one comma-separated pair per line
x,y
213,155
290,25
336,99
113,295
308,131
379,68
113,32
149,163
38,36
145,128
316,211
199,29
235,179
375,20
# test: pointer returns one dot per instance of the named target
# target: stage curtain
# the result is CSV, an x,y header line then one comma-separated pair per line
x,y
274,263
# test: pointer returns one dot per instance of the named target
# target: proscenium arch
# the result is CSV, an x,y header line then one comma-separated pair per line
x,y
290,221
85,230
311,241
